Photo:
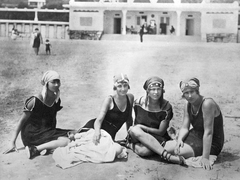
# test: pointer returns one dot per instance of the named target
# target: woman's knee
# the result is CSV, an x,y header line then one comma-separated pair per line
x,y
170,146
64,141
142,150
135,131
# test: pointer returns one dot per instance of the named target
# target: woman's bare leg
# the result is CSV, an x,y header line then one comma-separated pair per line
x,y
148,142
186,151
60,142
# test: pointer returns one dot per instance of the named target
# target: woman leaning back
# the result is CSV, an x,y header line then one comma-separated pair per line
x,y
115,111
152,116
207,135
38,122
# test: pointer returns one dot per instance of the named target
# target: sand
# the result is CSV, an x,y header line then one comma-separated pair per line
x,y
86,69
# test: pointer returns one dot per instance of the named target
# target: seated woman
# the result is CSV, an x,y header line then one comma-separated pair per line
x,y
153,114
207,135
38,122
115,111
172,30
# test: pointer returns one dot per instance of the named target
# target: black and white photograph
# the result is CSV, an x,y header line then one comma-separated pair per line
x,y
119,89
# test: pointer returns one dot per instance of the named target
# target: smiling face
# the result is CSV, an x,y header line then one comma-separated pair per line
x,y
54,85
155,92
122,88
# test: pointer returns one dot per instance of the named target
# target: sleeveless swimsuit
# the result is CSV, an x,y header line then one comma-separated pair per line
x,y
114,119
195,136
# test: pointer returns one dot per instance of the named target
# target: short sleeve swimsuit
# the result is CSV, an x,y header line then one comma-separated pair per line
x,y
195,136
153,119
114,119
41,125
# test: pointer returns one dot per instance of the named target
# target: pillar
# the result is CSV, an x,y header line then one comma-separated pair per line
x,y
124,20
55,31
203,26
178,29
36,15
63,32
47,31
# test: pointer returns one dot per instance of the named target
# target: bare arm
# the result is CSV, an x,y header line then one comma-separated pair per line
x,y
160,131
98,122
186,124
183,131
208,109
129,122
21,122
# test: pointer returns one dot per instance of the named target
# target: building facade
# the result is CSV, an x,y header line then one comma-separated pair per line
x,y
210,21
36,3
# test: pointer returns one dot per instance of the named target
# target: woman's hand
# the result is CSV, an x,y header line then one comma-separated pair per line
x,y
205,163
177,148
11,148
96,138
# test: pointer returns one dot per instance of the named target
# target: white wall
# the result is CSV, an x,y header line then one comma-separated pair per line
x,y
75,23
220,22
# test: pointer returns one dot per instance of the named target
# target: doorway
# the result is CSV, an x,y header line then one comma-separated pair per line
x,y
117,26
189,27
164,23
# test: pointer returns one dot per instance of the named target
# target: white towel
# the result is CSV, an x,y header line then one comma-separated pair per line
x,y
84,150
195,161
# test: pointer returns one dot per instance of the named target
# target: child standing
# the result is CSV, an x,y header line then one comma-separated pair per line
x,y
48,45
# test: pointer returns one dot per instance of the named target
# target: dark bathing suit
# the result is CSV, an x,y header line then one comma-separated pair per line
x,y
113,120
195,136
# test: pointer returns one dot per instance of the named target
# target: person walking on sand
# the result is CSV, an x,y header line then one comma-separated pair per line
x,y
152,117
38,122
36,40
207,135
115,111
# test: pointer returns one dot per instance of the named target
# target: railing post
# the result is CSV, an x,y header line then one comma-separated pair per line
x,y
7,29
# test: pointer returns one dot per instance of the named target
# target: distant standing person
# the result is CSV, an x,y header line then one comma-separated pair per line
x,y
142,31
48,47
37,40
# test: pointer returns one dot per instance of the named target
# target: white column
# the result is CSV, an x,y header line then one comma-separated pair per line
x,y
153,1
124,20
203,25
36,15
178,23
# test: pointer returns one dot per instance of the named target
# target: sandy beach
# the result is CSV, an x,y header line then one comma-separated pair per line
x,y
87,69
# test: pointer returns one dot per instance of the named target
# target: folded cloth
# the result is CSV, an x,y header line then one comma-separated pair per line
x,y
84,150
195,161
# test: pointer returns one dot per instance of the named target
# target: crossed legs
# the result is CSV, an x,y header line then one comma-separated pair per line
x,y
145,144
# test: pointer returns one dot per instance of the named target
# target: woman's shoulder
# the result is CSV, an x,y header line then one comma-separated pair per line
x,y
130,97
140,101
166,104
32,102
209,104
